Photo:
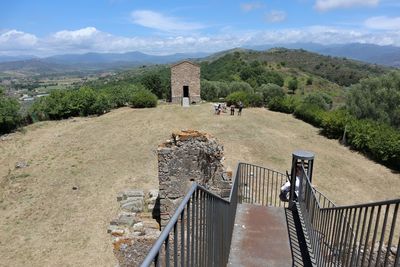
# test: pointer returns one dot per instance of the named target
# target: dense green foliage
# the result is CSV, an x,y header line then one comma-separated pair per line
x,y
379,141
61,104
338,70
293,84
233,67
271,92
377,99
85,101
9,113
143,99
247,99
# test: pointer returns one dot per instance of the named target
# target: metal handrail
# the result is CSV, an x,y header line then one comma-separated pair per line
x,y
208,231
353,235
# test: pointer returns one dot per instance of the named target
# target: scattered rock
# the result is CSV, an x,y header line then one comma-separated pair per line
x,y
117,232
21,164
74,188
138,227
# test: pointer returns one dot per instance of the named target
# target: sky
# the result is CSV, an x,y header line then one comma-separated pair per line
x,y
50,27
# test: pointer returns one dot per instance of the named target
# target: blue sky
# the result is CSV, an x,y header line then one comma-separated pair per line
x,y
45,28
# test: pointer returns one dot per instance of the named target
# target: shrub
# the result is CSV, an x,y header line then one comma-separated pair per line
x,y
255,100
377,99
235,97
240,86
293,84
270,91
334,123
319,99
286,104
120,96
9,114
380,141
310,113
143,99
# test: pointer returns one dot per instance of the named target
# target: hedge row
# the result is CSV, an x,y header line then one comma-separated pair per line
x,y
61,104
379,141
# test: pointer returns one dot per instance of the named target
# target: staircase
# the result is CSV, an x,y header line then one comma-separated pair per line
x,y
253,227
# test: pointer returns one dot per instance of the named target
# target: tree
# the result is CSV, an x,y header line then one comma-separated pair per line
x,y
152,82
270,91
377,99
293,84
9,113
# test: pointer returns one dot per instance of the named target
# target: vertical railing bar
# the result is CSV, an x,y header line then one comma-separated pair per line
x,y
362,235
391,234
343,233
259,186
198,223
267,204
356,236
188,232
376,226
351,236
397,260
263,187
382,234
167,252
176,244
193,229
276,188
367,235
330,234
182,238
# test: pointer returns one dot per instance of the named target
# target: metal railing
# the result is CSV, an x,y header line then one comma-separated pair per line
x,y
200,231
357,235
260,186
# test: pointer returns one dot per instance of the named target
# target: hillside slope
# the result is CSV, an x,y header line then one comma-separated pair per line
x,y
46,223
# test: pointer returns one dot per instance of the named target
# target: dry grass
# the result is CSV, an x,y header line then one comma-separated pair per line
x,y
46,223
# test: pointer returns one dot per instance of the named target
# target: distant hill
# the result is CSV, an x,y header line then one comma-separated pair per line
x,y
89,62
384,55
337,70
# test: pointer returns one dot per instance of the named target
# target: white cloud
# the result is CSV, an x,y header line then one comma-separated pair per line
x,y
324,5
17,40
250,6
275,16
90,39
158,21
383,23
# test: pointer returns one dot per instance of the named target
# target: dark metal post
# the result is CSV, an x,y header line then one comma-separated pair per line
x,y
300,157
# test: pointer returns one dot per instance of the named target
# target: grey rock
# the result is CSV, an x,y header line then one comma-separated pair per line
x,y
21,165
138,227
134,205
134,193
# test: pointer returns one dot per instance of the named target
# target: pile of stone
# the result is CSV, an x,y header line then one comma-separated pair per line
x,y
135,228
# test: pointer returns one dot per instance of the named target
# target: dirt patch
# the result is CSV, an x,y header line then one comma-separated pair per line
x,y
44,222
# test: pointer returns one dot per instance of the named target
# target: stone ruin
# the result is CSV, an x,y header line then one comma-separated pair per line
x,y
189,156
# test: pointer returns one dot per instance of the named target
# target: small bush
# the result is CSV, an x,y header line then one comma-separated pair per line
x,y
270,91
235,97
310,113
334,123
255,100
380,141
286,104
143,99
319,99
9,114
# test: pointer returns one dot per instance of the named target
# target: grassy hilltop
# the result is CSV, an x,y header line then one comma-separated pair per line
x,y
45,222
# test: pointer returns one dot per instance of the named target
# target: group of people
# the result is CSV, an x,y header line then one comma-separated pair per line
x,y
221,107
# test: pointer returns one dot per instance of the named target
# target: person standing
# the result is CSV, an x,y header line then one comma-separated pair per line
x,y
232,109
240,108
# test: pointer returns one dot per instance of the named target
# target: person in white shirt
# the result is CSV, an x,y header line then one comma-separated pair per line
x,y
285,189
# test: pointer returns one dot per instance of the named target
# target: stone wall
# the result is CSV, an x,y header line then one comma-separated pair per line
x,y
189,156
135,229
185,74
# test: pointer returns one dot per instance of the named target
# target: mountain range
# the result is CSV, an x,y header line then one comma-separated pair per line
x,y
382,55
